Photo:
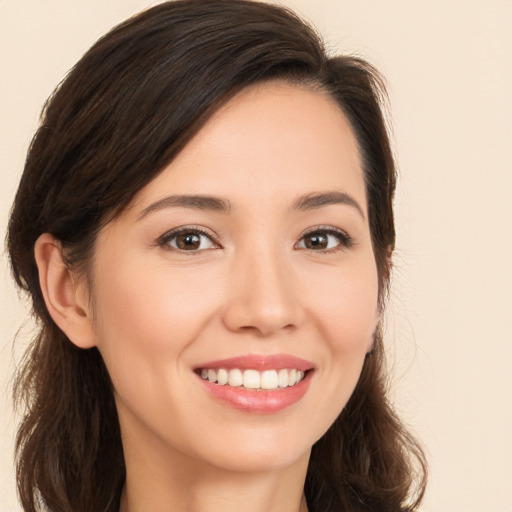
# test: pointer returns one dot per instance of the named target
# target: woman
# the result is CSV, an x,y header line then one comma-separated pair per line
x,y
205,228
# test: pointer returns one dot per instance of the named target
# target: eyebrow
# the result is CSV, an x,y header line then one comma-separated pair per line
x,y
218,204
320,199
194,202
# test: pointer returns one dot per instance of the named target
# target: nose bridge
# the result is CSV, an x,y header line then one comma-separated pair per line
x,y
261,296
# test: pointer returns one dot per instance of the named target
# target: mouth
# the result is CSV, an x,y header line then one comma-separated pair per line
x,y
253,379
256,383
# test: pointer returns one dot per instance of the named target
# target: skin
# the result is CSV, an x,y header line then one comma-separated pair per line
x,y
253,286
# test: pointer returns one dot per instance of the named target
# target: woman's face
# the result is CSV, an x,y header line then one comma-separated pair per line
x,y
247,260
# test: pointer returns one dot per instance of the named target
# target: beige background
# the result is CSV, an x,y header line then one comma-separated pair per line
x,y
448,64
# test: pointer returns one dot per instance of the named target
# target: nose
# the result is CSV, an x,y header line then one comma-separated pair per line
x,y
262,296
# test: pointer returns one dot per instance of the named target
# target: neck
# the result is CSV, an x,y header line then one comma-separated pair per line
x,y
230,495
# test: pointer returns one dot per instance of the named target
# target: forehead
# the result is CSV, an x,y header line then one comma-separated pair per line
x,y
273,140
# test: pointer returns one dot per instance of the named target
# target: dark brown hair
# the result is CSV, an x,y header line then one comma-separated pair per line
x,y
121,115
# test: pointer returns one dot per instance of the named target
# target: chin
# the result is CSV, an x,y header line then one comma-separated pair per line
x,y
258,450
263,460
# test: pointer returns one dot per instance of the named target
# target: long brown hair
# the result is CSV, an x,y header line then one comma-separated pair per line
x,y
120,116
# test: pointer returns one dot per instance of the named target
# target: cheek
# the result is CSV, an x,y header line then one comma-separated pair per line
x,y
146,319
150,306
348,315
345,304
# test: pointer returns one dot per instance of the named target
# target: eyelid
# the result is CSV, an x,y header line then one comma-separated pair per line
x,y
191,228
345,240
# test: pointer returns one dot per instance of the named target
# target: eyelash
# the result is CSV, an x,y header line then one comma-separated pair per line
x,y
345,241
165,239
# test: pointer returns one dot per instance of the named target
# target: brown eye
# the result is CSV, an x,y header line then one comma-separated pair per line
x,y
316,241
188,240
325,240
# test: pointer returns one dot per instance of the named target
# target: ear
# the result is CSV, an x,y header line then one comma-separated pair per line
x,y
64,293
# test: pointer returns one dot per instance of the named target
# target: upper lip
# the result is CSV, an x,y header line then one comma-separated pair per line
x,y
259,362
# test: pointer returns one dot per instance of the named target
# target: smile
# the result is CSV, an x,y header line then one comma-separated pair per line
x,y
253,379
256,383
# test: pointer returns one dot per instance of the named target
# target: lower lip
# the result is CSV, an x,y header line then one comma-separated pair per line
x,y
262,402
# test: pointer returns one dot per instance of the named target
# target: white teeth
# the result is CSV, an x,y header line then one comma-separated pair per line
x,y
283,378
222,377
235,378
253,379
269,380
